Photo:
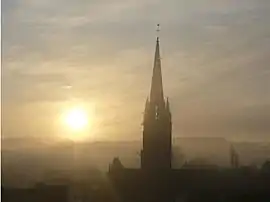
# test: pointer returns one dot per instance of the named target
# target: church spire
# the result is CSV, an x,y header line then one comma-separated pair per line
x,y
156,93
157,126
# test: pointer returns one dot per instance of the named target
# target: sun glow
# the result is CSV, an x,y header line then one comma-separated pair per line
x,y
77,122
76,119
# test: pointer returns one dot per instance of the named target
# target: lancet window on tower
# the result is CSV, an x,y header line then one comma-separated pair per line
x,y
156,113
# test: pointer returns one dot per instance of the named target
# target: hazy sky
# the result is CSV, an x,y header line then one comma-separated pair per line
x,y
215,60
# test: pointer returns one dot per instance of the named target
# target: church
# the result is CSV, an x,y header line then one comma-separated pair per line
x,y
157,181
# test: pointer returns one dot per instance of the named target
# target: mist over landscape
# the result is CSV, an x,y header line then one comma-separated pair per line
x,y
27,162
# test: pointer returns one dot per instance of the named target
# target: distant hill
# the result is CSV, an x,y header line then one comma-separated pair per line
x,y
214,150
255,153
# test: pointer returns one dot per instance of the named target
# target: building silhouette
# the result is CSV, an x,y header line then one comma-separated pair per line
x,y
38,193
157,124
157,181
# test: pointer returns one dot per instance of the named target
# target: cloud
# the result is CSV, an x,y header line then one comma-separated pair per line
x,y
214,56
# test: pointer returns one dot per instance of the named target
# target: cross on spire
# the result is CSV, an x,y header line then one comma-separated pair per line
x,y
158,30
158,27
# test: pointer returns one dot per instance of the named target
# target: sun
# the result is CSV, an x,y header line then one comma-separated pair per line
x,y
78,122
76,119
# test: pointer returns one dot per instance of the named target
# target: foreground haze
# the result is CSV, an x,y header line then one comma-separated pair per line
x,y
27,161
215,59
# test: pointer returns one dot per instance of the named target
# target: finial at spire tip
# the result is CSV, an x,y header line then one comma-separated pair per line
x,y
158,27
157,30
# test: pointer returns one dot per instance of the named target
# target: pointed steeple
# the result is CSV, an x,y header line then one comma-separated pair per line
x,y
147,104
146,110
157,125
156,93
234,157
168,106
